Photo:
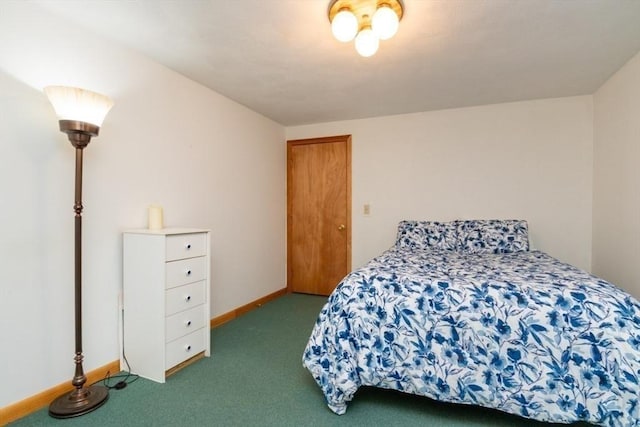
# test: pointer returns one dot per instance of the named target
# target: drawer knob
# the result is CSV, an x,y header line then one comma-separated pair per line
x,y
188,246
188,272
187,298
188,323
188,348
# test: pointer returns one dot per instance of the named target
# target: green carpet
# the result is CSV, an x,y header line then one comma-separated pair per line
x,y
255,377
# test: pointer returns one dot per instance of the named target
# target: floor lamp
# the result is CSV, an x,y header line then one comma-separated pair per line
x,y
80,114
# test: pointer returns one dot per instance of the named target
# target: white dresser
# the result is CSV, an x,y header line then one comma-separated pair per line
x,y
165,299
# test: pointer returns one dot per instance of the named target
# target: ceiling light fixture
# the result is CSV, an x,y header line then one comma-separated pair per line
x,y
368,21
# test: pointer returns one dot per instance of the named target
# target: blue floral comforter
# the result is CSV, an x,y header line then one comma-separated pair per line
x,y
520,332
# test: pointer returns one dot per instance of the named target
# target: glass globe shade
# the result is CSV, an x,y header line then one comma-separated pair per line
x,y
344,25
366,42
385,22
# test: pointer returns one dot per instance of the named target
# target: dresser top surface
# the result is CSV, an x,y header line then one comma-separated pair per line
x,y
166,231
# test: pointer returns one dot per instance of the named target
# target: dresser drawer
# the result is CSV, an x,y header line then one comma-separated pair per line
x,y
184,322
185,347
185,271
184,297
181,246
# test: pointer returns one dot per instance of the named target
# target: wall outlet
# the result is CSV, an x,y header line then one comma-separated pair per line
x,y
366,211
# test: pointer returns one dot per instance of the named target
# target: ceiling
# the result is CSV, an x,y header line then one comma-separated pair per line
x,y
278,57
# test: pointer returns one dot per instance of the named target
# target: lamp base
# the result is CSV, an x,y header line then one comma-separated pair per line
x,y
79,402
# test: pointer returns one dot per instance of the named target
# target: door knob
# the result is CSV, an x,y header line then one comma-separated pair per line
x,y
341,227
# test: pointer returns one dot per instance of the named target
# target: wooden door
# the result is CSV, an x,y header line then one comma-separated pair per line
x,y
318,213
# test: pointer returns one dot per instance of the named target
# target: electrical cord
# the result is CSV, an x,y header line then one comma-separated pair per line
x,y
127,375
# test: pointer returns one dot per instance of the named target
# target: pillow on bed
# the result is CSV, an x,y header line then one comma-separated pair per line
x,y
427,235
495,236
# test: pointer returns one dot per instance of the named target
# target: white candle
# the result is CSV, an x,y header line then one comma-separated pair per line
x,y
155,217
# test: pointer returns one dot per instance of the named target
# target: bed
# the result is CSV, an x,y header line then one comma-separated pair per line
x,y
464,312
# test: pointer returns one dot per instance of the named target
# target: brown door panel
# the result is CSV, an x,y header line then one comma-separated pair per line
x,y
318,213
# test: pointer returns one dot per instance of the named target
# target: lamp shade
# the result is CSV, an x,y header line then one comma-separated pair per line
x,y
366,42
344,25
385,22
76,104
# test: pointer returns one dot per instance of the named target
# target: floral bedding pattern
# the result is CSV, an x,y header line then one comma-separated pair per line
x,y
427,235
492,236
476,236
520,332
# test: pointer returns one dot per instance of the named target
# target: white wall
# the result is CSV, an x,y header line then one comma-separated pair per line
x,y
210,162
530,160
616,203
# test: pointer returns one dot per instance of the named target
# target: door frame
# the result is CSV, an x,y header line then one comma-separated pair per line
x,y
346,139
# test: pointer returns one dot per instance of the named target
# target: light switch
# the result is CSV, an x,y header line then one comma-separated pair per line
x,y
367,209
